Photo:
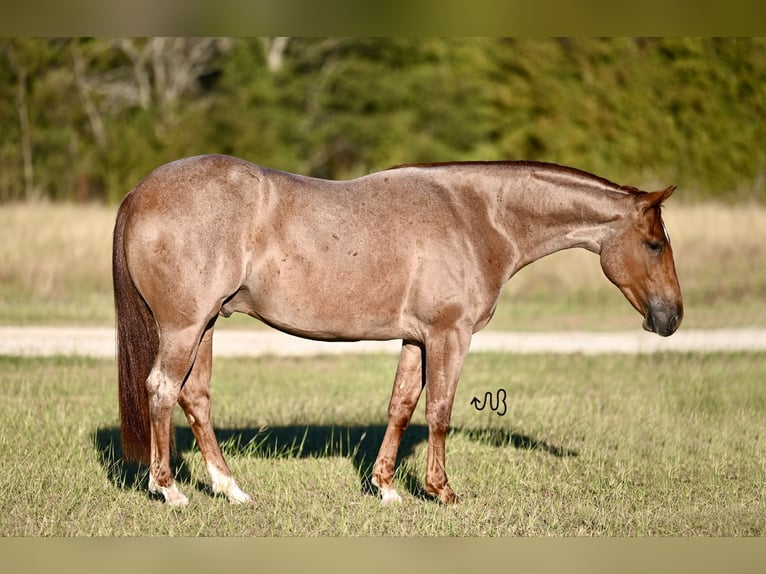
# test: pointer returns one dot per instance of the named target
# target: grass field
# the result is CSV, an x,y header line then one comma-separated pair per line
x,y
659,445
55,269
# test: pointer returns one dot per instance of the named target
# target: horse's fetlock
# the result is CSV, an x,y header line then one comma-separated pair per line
x,y
442,491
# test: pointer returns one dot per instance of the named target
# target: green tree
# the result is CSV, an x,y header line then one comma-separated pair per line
x,y
88,117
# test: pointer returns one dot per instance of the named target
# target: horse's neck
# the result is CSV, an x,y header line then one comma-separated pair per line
x,y
545,218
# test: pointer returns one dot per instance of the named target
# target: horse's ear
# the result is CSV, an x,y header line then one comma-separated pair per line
x,y
655,198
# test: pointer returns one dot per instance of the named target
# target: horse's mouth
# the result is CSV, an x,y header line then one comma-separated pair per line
x,y
664,324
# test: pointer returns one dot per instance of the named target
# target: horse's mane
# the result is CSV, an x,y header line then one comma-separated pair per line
x,y
552,168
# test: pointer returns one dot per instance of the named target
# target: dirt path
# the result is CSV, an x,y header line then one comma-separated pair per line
x,y
99,342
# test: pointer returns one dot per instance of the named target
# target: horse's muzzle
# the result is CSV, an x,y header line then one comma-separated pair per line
x,y
663,320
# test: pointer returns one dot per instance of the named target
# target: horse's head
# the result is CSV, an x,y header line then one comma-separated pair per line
x,y
639,260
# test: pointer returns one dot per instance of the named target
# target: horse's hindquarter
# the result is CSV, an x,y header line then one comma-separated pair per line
x,y
184,237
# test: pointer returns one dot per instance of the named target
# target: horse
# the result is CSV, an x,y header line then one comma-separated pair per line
x,y
417,253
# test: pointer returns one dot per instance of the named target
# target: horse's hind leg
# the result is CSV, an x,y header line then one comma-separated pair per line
x,y
177,351
407,388
195,401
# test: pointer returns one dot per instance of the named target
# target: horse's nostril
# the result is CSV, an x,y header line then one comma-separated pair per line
x,y
675,320
666,327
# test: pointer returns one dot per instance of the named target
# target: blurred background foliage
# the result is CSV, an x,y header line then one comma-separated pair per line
x,y
86,118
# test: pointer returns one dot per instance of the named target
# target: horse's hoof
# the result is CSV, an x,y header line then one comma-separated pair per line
x,y
447,496
389,496
178,501
226,485
173,497
171,494
237,496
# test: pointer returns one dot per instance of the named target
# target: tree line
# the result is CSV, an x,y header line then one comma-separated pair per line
x,y
86,118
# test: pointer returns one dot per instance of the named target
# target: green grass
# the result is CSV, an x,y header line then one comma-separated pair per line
x,y
658,445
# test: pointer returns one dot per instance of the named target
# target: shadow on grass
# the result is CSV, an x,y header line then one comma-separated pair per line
x,y
358,443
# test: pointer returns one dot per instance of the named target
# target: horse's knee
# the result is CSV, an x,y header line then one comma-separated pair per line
x,y
400,414
162,392
438,416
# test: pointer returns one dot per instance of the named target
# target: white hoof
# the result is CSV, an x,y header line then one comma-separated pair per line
x,y
171,494
389,496
237,496
175,498
226,485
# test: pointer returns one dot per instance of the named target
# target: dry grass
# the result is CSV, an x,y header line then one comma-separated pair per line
x,y
721,259
55,269
55,263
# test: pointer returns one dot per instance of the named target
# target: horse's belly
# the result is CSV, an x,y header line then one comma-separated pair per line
x,y
320,302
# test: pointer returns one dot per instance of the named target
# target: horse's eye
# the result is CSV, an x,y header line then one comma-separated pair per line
x,y
654,246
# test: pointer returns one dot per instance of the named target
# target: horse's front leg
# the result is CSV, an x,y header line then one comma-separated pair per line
x,y
408,385
445,352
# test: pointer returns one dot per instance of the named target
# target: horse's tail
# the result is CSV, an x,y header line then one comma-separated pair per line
x,y
137,345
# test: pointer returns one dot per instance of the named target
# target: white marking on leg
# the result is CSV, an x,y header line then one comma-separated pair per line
x,y
389,496
223,484
171,494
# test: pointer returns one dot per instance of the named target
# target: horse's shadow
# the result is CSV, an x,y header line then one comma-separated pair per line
x,y
358,443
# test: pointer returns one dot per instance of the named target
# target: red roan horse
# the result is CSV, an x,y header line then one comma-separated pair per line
x,y
417,253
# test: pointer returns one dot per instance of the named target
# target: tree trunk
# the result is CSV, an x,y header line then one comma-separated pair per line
x,y
22,110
